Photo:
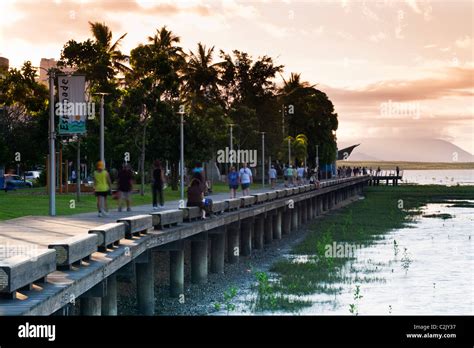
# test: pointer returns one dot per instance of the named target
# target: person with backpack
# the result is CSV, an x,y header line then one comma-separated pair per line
x,y
245,177
233,181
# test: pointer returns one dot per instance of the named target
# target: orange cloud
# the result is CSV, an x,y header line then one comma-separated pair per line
x,y
455,81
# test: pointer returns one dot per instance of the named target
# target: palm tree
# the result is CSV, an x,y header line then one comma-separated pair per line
x,y
294,84
167,59
201,77
299,148
103,37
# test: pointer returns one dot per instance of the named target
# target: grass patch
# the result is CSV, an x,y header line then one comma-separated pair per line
x,y
462,204
362,223
443,216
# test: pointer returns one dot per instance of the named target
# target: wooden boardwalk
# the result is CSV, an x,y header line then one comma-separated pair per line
x,y
62,287
386,176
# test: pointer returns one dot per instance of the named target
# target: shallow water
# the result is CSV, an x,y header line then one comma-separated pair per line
x,y
438,279
446,177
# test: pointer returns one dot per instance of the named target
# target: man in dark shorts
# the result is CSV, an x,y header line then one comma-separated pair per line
x,y
157,186
125,177
233,179
245,178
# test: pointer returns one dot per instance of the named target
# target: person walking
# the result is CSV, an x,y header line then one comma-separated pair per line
x,y
157,185
102,185
300,175
73,176
125,177
272,174
233,181
295,176
289,175
245,177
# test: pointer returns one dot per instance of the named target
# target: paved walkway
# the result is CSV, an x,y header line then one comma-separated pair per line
x,y
39,231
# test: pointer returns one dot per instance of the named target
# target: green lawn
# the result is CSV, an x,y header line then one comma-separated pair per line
x,y
34,201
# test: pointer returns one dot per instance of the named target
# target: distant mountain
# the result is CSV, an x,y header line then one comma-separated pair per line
x,y
413,150
360,156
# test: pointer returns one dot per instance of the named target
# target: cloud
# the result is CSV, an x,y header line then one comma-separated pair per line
x,y
380,36
63,20
345,35
454,82
464,42
413,5
368,13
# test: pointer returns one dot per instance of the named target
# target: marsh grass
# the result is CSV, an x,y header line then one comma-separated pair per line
x,y
363,223
443,216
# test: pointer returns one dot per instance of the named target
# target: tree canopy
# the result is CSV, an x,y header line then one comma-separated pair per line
x,y
146,89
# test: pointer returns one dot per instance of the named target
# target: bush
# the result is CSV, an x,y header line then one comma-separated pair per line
x,y
41,181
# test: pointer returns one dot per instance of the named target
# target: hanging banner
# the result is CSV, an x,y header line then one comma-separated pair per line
x,y
72,108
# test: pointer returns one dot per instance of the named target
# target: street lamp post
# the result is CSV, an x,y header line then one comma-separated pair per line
x,y
52,150
51,138
181,113
317,162
231,125
263,159
102,126
289,151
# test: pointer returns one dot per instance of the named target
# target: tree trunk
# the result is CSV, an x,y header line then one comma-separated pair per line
x,y
142,164
174,176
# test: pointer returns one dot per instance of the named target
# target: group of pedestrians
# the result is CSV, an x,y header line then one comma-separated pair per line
x,y
196,191
124,180
243,177
295,176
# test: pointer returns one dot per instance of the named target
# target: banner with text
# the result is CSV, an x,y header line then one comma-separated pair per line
x,y
72,108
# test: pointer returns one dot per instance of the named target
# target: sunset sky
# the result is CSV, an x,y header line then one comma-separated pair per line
x,y
363,54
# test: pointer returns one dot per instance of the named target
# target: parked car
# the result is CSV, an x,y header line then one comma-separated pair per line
x,y
13,182
32,174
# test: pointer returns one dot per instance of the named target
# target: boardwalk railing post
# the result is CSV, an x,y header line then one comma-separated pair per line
x,y
304,211
246,237
145,284
277,222
176,273
286,228
91,300
199,264
218,250
233,242
268,234
109,301
258,231
91,306
294,218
